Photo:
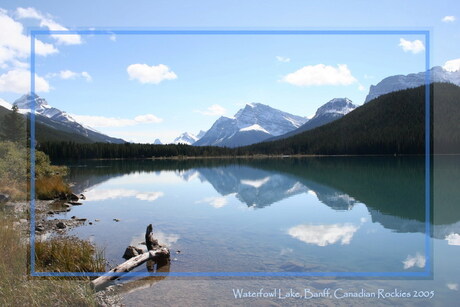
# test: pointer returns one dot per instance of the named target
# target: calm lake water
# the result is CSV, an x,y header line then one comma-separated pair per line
x,y
329,214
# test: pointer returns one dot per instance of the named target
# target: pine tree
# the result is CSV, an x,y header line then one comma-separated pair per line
x,y
13,126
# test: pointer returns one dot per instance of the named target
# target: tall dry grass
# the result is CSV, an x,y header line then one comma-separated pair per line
x,y
17,288
51,187
68,254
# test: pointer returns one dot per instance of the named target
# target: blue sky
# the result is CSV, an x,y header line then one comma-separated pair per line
x,y
145,87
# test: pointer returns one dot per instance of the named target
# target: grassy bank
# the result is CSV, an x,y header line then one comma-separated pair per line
x,y
59,254
17,288
68,254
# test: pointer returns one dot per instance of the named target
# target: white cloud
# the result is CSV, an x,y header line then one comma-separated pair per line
x,y
102,121
46,21
448,19
15,46
214,110
453,239
113,38
452,65
148,118
415,46
28,13
68,74
323,235
412,261
87,76
283,59
452,286
320,75
361,88
150,74
18,81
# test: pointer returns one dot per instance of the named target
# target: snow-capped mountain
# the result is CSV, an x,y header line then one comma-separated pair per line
x,y
254,123
157,142
200,134
185,138
41,107
328,112
402,82
60,120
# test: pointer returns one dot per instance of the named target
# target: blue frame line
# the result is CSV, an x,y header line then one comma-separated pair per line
x,y
427,273
428,248
236,274
32,154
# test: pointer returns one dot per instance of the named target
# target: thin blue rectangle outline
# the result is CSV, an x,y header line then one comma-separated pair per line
x,y
428,264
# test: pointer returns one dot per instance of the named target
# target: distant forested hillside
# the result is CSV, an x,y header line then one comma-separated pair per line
x,y
45,133
72,150
390,124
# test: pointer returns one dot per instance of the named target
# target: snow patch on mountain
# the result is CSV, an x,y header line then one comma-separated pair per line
x,y
185,138
5,104
254,127
26,102
200,134
339,106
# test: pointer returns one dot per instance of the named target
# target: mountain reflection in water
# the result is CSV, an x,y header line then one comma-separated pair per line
x,y
386,191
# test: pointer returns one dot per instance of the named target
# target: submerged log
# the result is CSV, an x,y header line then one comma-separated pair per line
x,y
158,254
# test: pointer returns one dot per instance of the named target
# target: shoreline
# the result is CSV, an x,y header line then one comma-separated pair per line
x,y
259,157
18,212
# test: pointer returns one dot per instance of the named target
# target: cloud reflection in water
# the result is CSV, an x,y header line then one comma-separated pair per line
x,y
323,235
99,195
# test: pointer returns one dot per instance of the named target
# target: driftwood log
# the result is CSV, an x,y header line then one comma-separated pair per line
x,y
156,253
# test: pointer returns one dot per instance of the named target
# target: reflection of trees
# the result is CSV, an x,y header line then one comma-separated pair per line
x,y
391,185
446,184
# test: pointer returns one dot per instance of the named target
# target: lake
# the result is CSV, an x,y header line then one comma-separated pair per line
x,y
304,215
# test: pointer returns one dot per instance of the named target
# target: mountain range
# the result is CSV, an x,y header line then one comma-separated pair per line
x,y
393,123
188,138
332,110
252,124
402,82
53,124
